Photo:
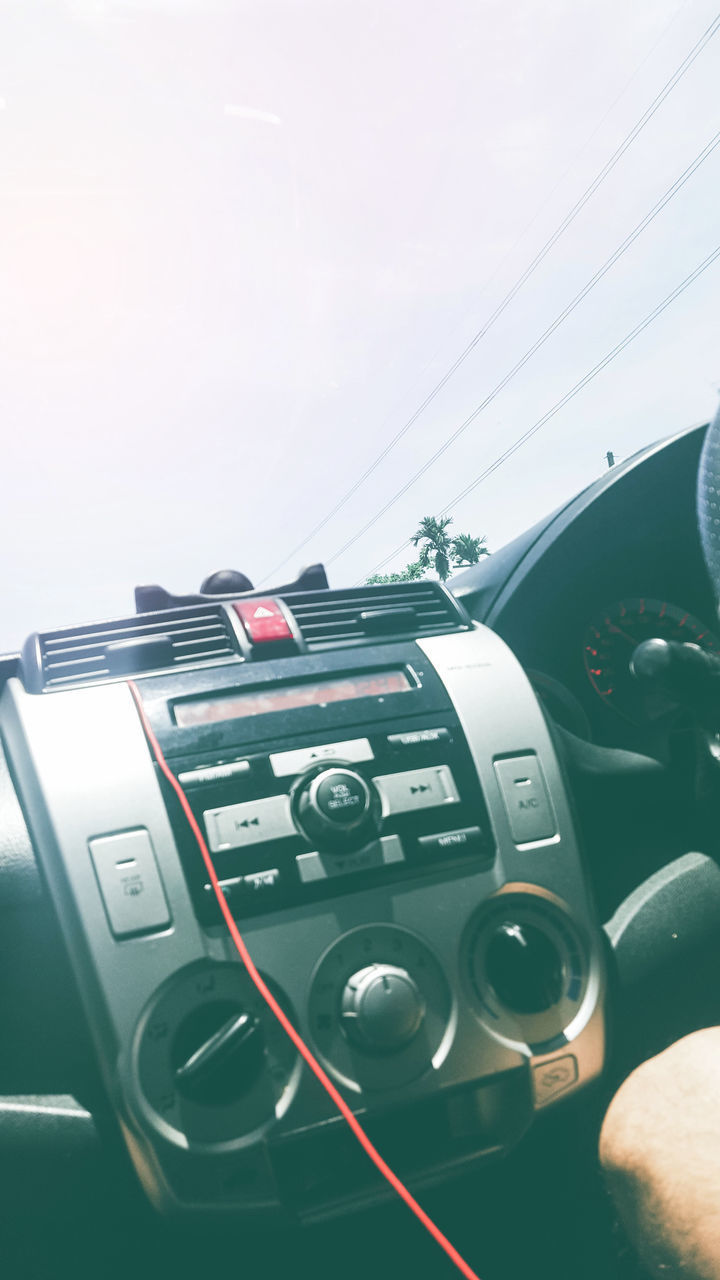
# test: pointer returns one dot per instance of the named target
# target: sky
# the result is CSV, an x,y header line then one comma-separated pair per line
x,y
241,242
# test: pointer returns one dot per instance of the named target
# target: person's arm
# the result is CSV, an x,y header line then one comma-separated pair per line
x,y
660,1152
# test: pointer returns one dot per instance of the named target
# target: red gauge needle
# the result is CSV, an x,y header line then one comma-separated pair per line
x,y
624,634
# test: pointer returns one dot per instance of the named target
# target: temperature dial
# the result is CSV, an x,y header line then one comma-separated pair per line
x,y
528,968
524,968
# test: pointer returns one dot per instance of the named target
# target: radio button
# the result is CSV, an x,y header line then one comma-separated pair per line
x,y
254,822
467,840
244,888
230,888
315,866
214,773
262,882
285,764
417,789
419,738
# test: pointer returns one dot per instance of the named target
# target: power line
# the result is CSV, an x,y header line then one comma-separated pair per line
x,y
570,395
539,342
529,271
588,140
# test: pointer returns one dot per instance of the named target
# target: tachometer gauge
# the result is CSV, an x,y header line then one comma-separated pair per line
x,y
609,643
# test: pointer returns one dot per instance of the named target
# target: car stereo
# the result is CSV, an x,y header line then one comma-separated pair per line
x,y
379,791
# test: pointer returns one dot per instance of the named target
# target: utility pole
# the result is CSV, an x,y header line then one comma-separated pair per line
x,y
610,458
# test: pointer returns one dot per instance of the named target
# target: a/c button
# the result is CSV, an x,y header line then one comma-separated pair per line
x,y
527,802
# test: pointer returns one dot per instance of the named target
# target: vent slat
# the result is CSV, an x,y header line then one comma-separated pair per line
x,y
184,658
359,606
128,632
74,679
206,640
74,662
52,654
423,617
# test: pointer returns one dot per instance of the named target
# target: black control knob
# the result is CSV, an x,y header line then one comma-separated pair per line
x,y
226,582
218,1054
382,1008
524,967
337,808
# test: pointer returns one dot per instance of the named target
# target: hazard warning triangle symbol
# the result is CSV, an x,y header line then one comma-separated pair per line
x,y
262,612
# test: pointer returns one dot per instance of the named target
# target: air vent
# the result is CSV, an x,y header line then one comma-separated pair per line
x,y
365,615
106,650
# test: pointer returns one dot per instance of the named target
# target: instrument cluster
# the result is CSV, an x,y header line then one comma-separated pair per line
x,y
610,640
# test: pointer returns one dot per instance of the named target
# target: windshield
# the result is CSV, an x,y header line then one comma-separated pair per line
x,y
281,279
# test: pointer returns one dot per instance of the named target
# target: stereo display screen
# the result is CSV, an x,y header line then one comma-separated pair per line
x,y
257,702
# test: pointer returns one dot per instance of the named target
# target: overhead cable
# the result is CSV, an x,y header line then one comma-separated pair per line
x,y
569,218
570,395
610,262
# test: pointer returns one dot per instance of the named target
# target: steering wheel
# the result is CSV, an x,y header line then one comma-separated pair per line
x,y
665,930
708,502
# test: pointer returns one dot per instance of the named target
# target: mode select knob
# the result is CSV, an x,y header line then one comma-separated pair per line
x,y
524,967
337,808
382,1008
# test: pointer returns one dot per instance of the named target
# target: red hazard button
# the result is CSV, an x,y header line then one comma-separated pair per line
x,y
263,620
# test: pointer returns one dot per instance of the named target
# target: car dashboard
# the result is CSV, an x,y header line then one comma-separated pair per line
x,y
419,806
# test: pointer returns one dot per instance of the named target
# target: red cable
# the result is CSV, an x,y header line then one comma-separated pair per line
x,y
285,1023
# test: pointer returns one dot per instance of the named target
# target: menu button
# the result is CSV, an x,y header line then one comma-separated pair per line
x,y
464,841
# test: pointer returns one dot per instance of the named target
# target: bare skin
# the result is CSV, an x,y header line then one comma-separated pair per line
x,y
660,1151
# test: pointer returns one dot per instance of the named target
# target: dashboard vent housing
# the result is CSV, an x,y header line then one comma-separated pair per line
x,y
367,615
126,646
